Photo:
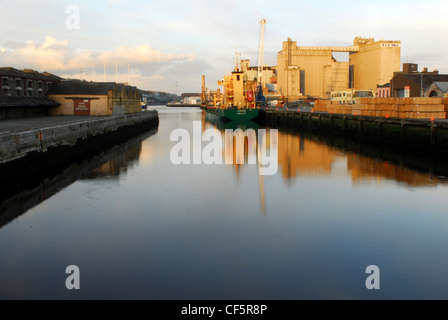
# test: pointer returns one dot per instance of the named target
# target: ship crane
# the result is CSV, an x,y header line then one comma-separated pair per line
x,y
259,97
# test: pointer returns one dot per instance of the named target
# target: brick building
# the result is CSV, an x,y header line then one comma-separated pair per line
x,y
383,91
437,89
418,82
23,93
94,98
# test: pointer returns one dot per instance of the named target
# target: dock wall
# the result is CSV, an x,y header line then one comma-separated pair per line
x,y
36,155
14,146
12,205
422,133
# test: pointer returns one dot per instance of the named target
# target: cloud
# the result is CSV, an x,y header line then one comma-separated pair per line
x,y
54,55
60,58
51,55
155,37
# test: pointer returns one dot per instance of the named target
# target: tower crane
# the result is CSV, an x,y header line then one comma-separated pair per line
x,y
260,99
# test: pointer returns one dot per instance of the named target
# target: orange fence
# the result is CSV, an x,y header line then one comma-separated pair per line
x,y
407,108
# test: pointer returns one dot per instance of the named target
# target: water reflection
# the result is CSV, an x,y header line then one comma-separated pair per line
x,y
120,163
110,163
364,170
166,231
303,154
307,154
241,146
300,156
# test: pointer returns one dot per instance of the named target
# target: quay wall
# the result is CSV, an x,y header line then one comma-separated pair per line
x,y
20,200
414,132
28,158
14,146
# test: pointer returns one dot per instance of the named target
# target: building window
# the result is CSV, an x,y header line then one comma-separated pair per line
x,y
18,92
29,92
29,83
40,85
4,82
48,85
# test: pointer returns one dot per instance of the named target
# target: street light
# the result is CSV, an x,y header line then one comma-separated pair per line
x,y
421,85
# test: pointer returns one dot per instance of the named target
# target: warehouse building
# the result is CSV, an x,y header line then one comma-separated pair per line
x,y
23,93
94,98
411,83
314,72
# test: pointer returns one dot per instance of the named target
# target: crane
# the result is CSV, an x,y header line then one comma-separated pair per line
x,y
260,50
259,98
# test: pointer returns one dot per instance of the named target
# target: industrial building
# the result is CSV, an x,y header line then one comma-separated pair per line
x,y
191,98
23,93
268,74
383,90
437,89
411,83
94,98
314,72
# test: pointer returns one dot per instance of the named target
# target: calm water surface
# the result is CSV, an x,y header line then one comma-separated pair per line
x,y
139,227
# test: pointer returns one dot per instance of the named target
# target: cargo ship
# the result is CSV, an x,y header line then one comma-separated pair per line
x,y
241,98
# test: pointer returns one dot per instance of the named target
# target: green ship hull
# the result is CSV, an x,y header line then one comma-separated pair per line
x,y
234,114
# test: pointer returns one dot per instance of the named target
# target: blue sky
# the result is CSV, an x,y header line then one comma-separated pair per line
x,y
168,45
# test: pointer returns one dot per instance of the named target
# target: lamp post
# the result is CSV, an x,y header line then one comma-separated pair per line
x,y
421,85
391,88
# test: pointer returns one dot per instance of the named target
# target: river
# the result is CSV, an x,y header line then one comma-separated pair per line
x,y
138,226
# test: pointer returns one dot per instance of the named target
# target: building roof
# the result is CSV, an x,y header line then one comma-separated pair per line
x,y
425,78
186,95
28,73
71,87
27,102
443,85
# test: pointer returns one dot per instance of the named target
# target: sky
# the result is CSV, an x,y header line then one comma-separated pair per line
x,y
168,45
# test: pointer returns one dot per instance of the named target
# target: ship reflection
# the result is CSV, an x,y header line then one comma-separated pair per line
x,y
244,134
305,154
236,156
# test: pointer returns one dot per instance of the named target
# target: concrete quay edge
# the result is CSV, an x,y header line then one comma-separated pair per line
x,y
16,145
